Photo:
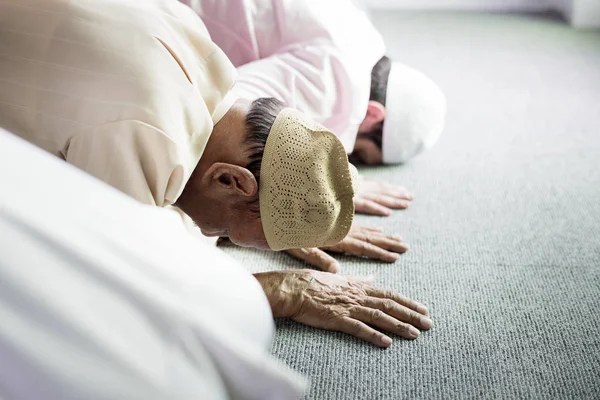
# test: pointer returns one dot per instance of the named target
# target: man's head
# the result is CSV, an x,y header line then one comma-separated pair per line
x,y
405,114
367,148
229,189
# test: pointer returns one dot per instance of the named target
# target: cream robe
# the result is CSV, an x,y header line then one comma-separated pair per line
x,y
126,90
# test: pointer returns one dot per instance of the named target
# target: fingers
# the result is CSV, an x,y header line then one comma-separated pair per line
x,y
381,320
351,305
405,301
357,230
398,311
366,228
387,201
360,248
390,243
393,245
394,190
380,198
361,330
317,258
364,206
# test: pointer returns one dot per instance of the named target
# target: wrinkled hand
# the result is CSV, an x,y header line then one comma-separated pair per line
x,y
361,242
346,304
380,198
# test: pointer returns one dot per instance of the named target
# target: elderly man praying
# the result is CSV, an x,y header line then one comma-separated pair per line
x,y
326,59
137,94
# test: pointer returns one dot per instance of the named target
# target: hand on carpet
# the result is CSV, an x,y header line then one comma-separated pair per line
x,y
378,198
346,304
361,241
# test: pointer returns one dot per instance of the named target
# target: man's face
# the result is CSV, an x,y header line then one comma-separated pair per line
x,y
366,150
240,224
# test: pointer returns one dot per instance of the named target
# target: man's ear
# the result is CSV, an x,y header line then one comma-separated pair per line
x,y
232,178
375,112
375,115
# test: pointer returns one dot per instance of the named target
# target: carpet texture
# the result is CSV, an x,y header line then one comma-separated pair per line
x,y
504,230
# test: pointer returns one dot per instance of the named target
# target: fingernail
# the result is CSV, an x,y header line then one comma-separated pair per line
x,y
386,341
426,322
414,332
422,309
337,268
397,237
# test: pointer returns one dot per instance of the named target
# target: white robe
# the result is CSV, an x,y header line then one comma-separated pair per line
x,y
102,297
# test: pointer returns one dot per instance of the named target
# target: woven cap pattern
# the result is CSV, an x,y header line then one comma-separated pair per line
x,y
306,185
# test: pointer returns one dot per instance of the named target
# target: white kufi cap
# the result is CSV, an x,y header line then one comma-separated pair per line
x,y
415,114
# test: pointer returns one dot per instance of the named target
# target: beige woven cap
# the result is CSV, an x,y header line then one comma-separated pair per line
x,y
306,185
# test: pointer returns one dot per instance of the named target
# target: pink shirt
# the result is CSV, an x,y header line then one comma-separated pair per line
x,y
316,55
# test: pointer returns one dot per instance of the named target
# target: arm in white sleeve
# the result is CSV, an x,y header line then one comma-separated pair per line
x,y
314,79
317,56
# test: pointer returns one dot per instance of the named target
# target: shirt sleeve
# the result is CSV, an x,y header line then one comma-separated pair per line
x,y
313,79
135,158
317,56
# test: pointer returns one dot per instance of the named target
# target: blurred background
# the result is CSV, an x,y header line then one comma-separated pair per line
x,y
579,13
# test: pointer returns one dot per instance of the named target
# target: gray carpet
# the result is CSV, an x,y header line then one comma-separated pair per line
x,y
504,231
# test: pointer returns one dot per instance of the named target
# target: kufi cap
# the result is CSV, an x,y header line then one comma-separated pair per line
x,y
306,185
415,111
